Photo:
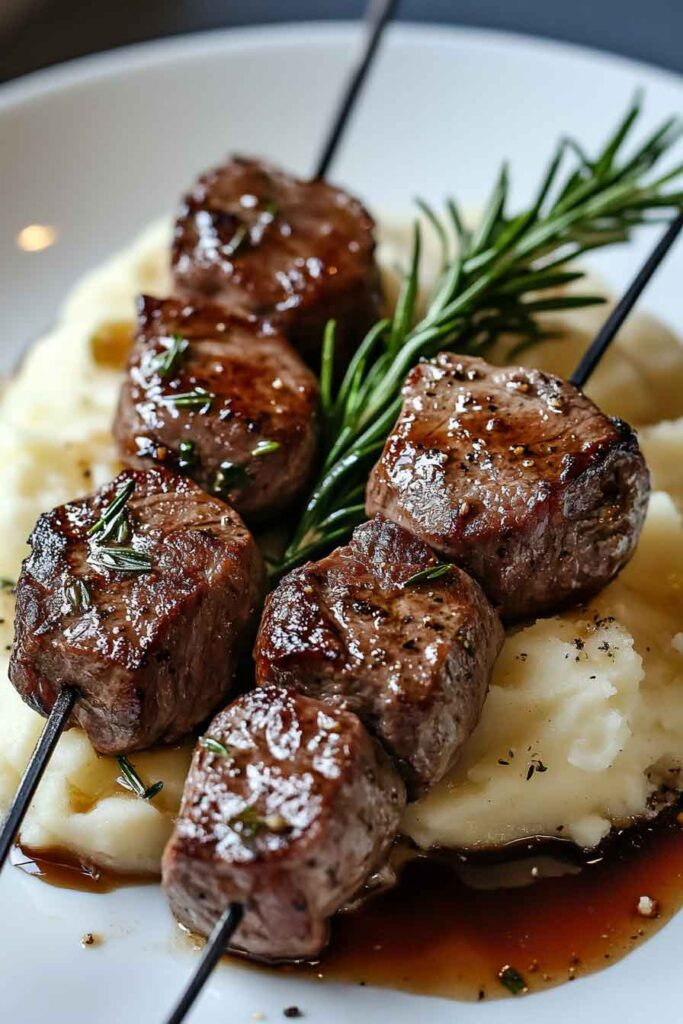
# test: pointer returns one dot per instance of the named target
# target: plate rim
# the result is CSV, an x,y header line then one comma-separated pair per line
x,y
155,52
17,95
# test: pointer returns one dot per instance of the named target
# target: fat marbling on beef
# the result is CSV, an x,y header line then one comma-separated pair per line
x,y
145,617
288,807
412,659
515,475
209,394
296,253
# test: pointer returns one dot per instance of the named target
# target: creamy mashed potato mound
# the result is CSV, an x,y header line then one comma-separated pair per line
x,y
584,721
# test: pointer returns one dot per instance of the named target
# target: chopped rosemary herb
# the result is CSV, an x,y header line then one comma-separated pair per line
x,y
120,529
243,234
228,476
109,520
167,361
121,559
131,780
214,746
232,475
237,241
432,572
187,455
200,399
249,821
512,980
77,596
7,584
265,448
271,209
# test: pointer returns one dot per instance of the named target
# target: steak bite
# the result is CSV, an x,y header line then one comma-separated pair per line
x,y
411,658
207,394
296,253
289,806
142,597
515,475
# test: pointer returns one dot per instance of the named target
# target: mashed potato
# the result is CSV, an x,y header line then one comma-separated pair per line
x,y
584,719
591,701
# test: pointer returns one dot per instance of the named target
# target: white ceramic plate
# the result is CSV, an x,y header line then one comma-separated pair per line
x,y
97,149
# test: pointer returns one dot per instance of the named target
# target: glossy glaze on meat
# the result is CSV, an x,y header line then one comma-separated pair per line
x,y
260,396
152,653
413,661
289,819
515,475
296,253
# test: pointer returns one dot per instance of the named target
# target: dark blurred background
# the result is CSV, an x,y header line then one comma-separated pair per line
x,y
37,33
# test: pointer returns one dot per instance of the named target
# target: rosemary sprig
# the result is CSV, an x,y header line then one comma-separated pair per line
x,y
165,362
428,575
121,560
495,280
130,779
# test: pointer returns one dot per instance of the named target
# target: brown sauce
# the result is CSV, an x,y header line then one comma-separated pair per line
x,y
453,924
61,868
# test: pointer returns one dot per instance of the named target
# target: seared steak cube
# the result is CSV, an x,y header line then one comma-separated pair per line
x,y
515,475
142,597
288,807
296,253
411,657
209,395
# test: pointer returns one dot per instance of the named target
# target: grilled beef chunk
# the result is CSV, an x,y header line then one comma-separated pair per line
x,y
515,475
413,659
209,395
296,253
288,808
146,617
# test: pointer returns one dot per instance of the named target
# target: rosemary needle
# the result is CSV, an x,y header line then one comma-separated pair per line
x,y
432,572
131,780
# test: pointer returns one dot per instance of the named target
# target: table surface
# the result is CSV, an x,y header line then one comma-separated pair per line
x,y
50,31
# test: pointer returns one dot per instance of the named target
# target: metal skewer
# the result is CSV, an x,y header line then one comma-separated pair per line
x,y
379,13
52,730
605,336
377,17
213,950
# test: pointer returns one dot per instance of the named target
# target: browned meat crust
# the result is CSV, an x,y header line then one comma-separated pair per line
x,y
252,439
289,818
413,661
152,653
515,475
296,253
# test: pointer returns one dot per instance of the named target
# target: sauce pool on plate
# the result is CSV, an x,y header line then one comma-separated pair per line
x,y
476,928
481,926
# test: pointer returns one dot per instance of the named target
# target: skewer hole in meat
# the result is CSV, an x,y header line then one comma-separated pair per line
x,y
517,477
209,395
142,597
295,253
288,807
381,628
